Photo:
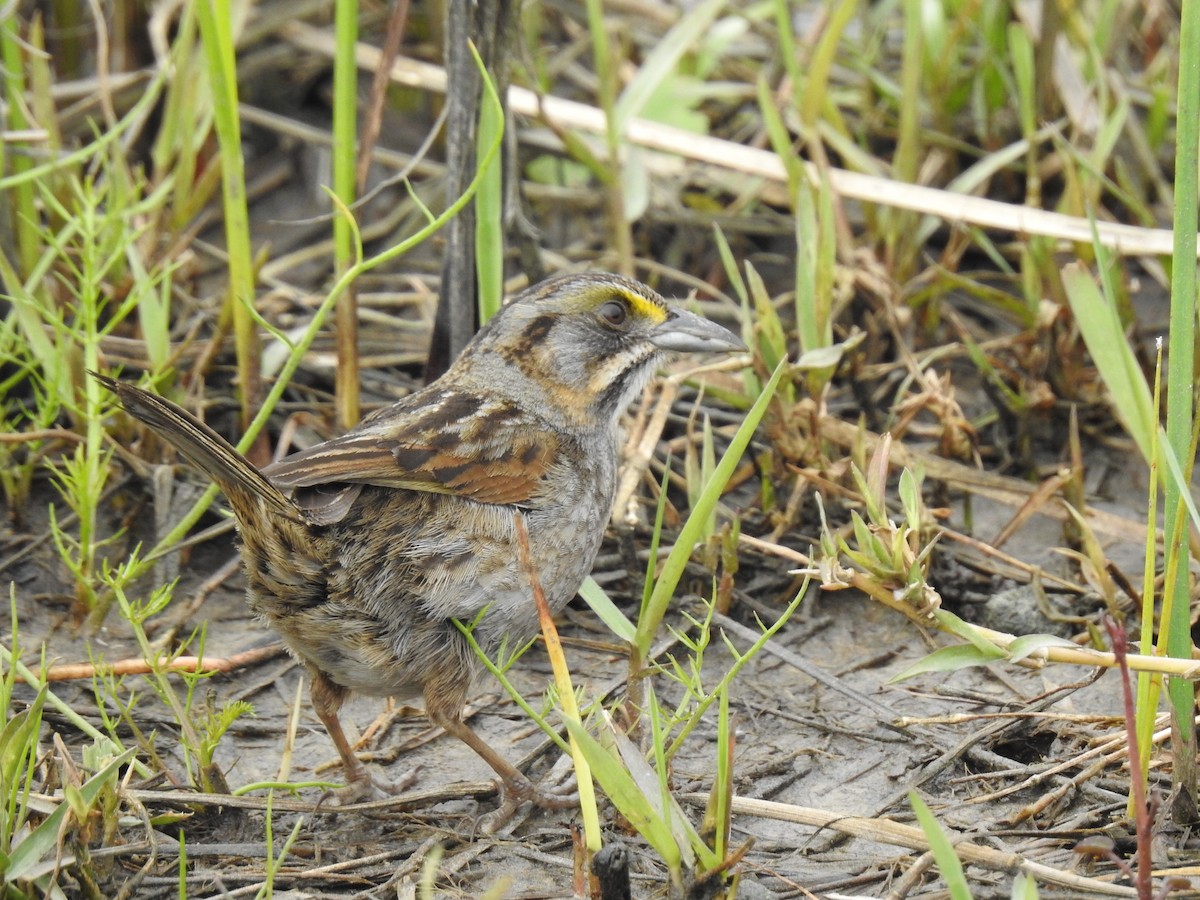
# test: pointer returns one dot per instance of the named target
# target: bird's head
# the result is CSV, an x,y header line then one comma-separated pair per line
x,y
581,347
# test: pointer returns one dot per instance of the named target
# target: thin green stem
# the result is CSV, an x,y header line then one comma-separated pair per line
x,y
1180,355
345,153
216,31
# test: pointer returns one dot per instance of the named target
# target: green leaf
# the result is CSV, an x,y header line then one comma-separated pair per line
x,y
732,270
829,51
942,849
635,184
675,102
625,795
43,839
663,59
654,784
772,337
948,659
19,737
1105,338
551,169
1024,888
910,498
489,215
780,136
601,604
655,608
948,621
1032,643
827,357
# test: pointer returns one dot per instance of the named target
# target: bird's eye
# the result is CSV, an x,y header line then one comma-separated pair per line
x,y
614,313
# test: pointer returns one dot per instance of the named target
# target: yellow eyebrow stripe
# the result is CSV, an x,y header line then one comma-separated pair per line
x,y
646,309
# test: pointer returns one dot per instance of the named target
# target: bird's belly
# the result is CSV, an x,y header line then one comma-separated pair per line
x,y
361,653
399,573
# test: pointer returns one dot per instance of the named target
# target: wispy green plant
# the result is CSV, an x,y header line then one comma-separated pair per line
x,y
201,729
81,261
275,860
18,753
29,848
79,274
699,699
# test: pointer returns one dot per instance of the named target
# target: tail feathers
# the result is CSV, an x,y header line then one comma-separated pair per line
x,y
232,472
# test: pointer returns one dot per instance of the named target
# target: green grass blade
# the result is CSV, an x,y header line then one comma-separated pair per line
x,y
663,59
626,796
601,604
942,849
1105,338
41,843
1180,363
489,217
216,30
692,529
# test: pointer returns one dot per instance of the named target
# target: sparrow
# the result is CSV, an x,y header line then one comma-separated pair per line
x,y
362,551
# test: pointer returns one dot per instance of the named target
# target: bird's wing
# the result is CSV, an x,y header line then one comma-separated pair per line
x,y
449,443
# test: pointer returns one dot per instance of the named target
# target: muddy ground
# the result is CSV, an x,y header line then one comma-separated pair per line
x,y
1005,756
1020,763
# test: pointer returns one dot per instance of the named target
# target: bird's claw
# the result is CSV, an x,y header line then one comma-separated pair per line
x,y
365,787
514,793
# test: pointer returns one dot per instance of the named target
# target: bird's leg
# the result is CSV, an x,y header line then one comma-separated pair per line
x,y
515,788
327,699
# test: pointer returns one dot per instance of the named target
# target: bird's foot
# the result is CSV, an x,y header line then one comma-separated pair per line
x,y
364,786
520,790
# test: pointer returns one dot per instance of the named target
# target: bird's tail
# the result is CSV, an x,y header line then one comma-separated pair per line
x,y
235,476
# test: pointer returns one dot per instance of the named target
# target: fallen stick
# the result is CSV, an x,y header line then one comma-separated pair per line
x,y
201,665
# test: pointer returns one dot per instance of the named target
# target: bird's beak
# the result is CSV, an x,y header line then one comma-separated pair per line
x,y
687,332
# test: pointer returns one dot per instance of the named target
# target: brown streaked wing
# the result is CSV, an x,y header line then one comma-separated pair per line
x,y
438,450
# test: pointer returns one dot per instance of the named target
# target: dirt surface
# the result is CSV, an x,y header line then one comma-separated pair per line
x,y
1019,762
1001,755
